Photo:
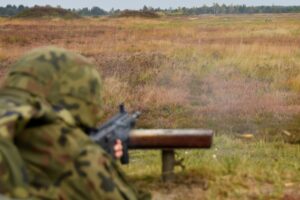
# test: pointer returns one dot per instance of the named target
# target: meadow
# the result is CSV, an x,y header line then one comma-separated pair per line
x,y
236,74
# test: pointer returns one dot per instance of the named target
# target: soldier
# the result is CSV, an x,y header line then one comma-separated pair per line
x,y
49,99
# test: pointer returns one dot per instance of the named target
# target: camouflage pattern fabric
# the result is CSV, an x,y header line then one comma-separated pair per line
x,y
63,78
48,98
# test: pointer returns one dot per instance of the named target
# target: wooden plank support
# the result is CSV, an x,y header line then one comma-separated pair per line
x,y
168,164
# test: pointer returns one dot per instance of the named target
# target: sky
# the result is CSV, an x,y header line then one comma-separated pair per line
x,y
137,4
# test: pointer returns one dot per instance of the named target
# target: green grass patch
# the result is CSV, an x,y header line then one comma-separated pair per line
x,y
233,168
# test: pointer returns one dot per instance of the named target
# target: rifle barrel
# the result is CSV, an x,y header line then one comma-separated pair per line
x,y
170,138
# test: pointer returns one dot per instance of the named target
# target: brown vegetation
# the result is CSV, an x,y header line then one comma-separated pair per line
x,y
235,74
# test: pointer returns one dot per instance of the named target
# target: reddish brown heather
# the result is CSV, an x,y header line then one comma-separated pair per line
x,y
241,69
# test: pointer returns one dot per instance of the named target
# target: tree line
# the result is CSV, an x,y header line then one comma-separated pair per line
x,y
238,9
12,10
226,9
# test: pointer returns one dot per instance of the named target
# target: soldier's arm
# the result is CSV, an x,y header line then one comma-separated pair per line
x,y
93,175
14,180
13,176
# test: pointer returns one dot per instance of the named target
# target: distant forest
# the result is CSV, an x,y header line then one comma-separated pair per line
x,y
12,10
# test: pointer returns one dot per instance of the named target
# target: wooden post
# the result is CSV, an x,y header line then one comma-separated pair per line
x,y
168,164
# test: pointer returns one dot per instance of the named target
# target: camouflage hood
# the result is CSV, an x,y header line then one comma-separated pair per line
x,y
64,79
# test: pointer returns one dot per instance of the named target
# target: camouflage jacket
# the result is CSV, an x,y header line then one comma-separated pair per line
x,y
45,155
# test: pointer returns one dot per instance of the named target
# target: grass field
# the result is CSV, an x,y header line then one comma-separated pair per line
x,y
232,169
236,74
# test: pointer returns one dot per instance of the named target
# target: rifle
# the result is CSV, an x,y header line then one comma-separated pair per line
x,y
118,127
121,127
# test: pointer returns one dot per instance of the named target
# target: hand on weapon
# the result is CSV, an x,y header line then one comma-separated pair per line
x,y
113,136
118,149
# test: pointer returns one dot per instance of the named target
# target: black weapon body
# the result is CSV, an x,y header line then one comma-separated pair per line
x,y
118,127
121,127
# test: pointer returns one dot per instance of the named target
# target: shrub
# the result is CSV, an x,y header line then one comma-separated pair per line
x,y
47,12
134,13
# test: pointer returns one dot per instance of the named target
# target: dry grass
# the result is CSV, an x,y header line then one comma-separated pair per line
x,y
212,67
233,169
235,74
